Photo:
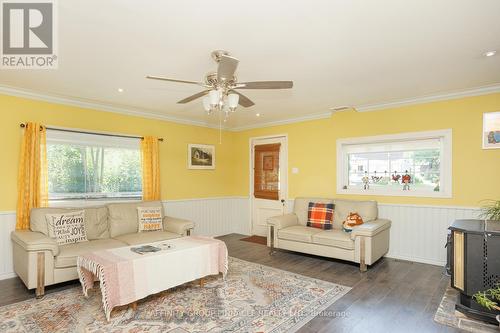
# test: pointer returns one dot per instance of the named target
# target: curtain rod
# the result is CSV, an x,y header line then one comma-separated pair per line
x,y
23,125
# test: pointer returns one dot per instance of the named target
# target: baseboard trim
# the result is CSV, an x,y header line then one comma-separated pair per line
x,y
6,276
415,259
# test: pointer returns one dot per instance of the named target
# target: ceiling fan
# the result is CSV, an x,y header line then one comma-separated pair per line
x,y
221,87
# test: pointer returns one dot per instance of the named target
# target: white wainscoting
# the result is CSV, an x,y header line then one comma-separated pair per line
x,y
7,225
213,216
418,233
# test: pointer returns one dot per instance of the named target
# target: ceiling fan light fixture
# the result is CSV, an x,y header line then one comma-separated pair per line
x,y
214,98
206,103
232,101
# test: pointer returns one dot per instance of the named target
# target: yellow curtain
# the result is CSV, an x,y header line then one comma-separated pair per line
x,y
32,182
150,152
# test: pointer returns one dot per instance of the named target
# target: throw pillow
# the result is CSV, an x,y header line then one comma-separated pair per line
x,y
320,215
67,228
353,219
150,218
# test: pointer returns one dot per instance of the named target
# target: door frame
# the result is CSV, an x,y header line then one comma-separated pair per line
x,y
250,169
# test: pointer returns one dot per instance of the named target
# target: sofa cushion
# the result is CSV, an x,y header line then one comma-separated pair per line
x,y
96,220
123,218
366,209
68,253
320,215
298,233
335,237
301,206
146,237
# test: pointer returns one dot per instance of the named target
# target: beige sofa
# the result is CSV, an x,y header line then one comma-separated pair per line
x,y
364,245
40,261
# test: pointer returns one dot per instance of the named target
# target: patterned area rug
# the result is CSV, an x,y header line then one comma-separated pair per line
x,y
447,315
253,298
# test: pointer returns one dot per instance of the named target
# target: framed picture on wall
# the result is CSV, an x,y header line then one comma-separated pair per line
x,y
491,130
201,156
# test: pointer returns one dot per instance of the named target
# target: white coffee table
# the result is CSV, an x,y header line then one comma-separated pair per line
x,y
126,277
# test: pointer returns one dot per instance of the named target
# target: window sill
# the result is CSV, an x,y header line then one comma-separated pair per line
x,y
409,193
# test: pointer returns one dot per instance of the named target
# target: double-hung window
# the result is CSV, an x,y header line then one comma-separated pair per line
x,y
410,164
84,166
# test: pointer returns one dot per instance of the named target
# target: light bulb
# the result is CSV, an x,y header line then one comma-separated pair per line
x,y
206,103
232,100
214,98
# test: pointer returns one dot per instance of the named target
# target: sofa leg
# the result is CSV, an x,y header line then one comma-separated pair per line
x,y
40,275
271,240
362,267
362,262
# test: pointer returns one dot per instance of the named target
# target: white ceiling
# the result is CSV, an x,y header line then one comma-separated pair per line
x,y
337,52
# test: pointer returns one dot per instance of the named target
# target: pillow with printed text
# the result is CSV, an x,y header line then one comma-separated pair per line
x,y
150,218
67,228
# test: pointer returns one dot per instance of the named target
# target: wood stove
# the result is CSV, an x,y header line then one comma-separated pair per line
x,y
474,262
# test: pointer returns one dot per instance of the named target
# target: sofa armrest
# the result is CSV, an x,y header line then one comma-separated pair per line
x,y
283,221
371,228
34,241
176,225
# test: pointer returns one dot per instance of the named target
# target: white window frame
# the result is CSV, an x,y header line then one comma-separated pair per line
x,y
61,135
445,187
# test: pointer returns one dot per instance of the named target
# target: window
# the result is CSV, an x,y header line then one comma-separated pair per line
x,y
411,164
93,166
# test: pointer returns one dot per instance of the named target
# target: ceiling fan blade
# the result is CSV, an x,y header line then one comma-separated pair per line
x,y
173,80
227,67
193,97
265,85
243,101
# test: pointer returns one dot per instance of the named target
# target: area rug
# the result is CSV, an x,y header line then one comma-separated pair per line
x,y
253,298
447,315
255,239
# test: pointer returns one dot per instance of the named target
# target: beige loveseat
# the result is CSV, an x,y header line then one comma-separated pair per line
x,y
40,261
364,245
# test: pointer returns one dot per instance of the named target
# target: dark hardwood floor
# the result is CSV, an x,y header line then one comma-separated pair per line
x,y
393,296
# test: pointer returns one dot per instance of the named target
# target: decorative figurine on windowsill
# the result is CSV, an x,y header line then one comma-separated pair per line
x,y
396,177
376,179
366,181
406,179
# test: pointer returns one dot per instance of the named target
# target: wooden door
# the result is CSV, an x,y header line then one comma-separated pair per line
x,y
269,181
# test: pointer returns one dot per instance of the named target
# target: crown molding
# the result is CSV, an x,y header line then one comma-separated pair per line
x,y
484,90
98,106
282,122
88,104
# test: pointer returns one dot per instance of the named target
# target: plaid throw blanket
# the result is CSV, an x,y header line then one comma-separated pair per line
x,y
126,276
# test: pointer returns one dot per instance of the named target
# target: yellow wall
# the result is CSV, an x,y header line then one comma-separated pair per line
x,y
177,181
312,148
476,172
